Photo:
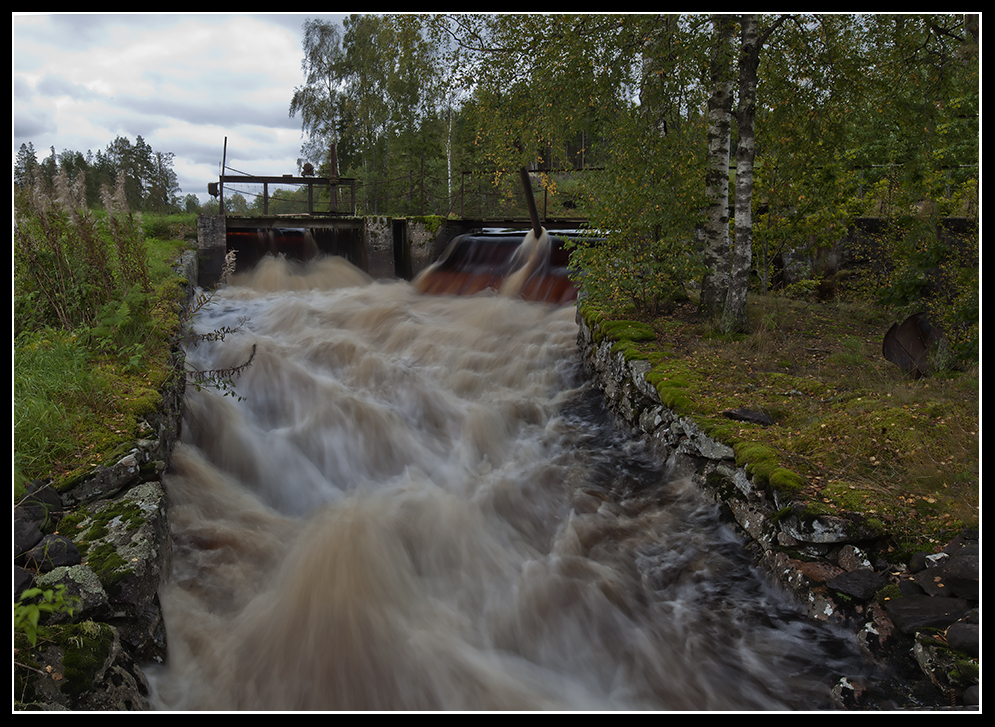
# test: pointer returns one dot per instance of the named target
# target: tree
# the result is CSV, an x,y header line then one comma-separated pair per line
x,y
734,314
25,165
372,89
318,101
715,282
163,188
191,204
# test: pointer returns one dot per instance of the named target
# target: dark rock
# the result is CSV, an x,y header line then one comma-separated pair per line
x,y
964,637
861,584
909,587
918,562
955,576
918,612
971,696
23,580
28,521
52,551
907,344
42,492
748,415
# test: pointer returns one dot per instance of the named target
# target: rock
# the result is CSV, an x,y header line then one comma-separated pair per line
x,y
23,580
955,574
28,522
828,529
972,696
703,445
965,637
850,558
861,584
51,551
748,415
914,613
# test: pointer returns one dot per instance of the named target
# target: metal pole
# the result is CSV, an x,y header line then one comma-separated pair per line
x,y
221,197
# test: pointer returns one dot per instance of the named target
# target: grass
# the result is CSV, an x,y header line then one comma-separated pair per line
x,y
76,406
852,432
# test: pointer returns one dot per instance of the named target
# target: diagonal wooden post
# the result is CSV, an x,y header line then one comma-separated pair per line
x,y
531,201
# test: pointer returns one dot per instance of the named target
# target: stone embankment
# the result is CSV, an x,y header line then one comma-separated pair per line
x,y
918,620
104,539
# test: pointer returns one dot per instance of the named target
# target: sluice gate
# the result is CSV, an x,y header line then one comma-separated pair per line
x,y
458,257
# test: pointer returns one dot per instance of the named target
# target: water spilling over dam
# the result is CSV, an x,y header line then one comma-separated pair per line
x,y
416,502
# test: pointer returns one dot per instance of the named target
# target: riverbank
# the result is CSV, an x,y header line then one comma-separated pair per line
x,y
691,379
847,479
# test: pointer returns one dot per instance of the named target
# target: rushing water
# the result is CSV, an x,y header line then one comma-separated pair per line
x,y
415,502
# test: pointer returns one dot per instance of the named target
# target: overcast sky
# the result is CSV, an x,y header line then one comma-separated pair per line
x,y
183,82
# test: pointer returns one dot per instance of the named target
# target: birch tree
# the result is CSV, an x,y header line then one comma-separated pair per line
x,y
715,254
734,314
751,43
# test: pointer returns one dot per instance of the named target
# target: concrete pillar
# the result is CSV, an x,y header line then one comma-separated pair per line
x,y
212,245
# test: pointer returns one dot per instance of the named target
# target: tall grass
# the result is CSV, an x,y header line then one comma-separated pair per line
x,y
63,270
90,328
55,390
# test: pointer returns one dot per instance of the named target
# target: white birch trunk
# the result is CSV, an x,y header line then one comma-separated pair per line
x,y
734,316
716,251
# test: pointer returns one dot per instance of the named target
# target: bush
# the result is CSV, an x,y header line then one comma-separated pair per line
x,y
936,271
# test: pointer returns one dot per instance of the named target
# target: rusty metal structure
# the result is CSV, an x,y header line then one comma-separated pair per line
x,y
531,264
289,179
508,256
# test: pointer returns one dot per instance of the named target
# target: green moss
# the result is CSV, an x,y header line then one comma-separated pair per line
x,y
87,647
676,400
666,379
786,481
848,495
752,453
432,222
890,592
630,351
628,330
812,511
108,565
617,330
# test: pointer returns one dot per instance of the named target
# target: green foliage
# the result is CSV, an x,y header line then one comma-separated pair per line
x,y
90,329
937,271
649,207
33,603
55,388
63,270
122,329
148,176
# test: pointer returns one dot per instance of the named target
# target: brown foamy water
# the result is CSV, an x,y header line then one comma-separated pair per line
x,y
416,503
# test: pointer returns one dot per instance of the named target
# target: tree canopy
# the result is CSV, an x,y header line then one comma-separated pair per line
x,y
638,122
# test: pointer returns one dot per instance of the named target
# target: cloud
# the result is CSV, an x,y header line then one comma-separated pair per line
x,y
55,86
183,82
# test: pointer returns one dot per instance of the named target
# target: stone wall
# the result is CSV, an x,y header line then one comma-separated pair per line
x,y
104,539
833,565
